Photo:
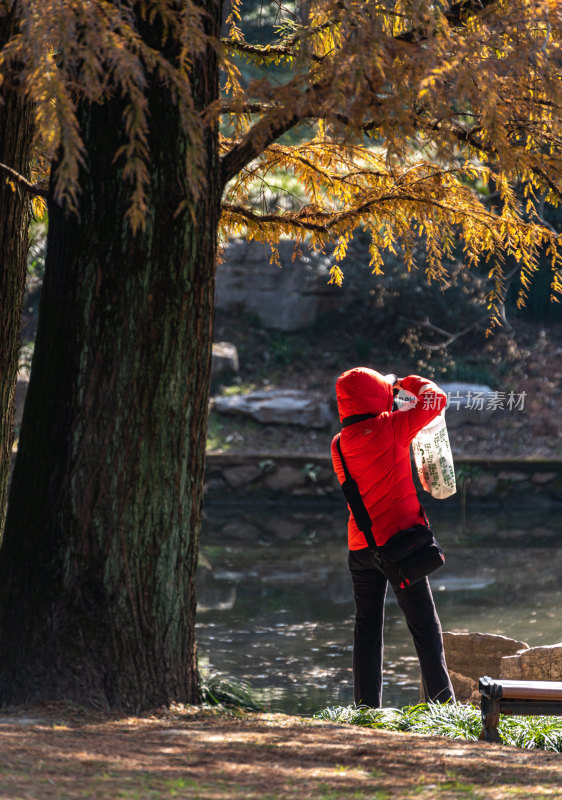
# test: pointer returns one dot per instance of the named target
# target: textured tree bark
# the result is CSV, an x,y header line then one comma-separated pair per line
x,y
97,571
16,135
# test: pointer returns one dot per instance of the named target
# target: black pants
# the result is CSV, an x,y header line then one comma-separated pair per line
x,y
369,590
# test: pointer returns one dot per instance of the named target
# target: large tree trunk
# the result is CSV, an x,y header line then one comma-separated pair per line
x,y
16,135
97,572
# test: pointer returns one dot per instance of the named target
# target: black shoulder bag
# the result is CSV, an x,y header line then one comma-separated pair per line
x,y
409,555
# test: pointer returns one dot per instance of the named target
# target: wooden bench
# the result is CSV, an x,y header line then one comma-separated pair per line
x,y
541,698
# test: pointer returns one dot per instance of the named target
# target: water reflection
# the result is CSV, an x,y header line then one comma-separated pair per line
x,y
275,604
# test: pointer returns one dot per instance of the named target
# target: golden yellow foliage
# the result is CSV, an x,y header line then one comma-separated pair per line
x,y
417,106
408,116
70,51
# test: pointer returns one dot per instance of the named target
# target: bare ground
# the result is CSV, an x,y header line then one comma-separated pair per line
x,y
57,752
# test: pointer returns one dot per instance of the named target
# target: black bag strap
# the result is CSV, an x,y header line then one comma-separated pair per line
x,y
346,472
356,418
355,502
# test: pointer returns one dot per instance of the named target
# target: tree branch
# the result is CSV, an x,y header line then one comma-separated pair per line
x,y
263,51
258,138
450,337
233,107
456,16
293,219
284,48
324,221
35,189
267,130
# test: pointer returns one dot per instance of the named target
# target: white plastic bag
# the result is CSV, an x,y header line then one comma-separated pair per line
x,y
434,459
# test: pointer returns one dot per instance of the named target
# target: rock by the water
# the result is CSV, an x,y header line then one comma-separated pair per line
x,y
284,479
471,656
466,689
242,475
216,598
282,528
478,654
534,664
483,485
240,530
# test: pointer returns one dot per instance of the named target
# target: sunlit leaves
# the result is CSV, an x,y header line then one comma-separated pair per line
x,y
38,207
69,52
345,187
426,119
454,99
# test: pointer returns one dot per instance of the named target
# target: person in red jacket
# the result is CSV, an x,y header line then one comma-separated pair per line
x,y
375,442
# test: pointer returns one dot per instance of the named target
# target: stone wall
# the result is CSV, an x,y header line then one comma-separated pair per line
x,y
501,483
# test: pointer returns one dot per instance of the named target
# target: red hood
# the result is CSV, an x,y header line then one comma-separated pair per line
x,y
363,391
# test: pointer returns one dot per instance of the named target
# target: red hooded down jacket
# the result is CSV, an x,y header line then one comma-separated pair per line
x,y
377,450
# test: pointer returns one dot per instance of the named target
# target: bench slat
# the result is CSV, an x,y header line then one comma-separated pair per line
x,y
522,690
531,690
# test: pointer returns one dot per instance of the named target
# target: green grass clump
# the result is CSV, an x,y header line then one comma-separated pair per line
x,y
228,692
454,720
532,733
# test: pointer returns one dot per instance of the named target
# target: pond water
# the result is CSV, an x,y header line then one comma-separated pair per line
x,y
275,606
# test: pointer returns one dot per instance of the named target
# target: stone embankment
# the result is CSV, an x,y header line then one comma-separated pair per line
x,y
269,479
